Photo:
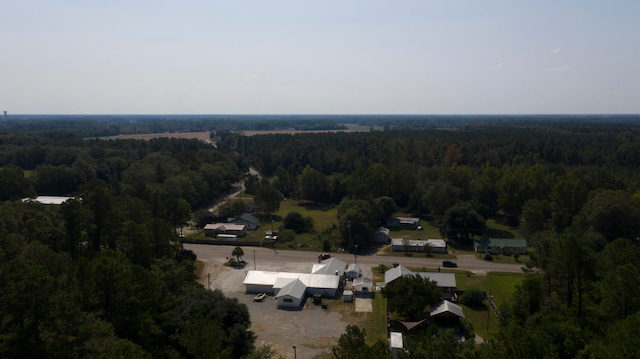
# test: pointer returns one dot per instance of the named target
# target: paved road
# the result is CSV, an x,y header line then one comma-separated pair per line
x,y
465,262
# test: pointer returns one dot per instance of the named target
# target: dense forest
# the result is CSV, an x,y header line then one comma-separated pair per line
x,y
104,275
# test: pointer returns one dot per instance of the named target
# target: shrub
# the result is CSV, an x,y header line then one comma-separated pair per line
x,y
488,257
382,268
473,298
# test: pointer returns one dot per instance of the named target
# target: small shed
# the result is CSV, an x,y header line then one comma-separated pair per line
x,y
347,295
395,343
292,294
381,235
353,271
362,282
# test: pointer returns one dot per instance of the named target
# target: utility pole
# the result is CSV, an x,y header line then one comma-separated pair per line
x,y
488,308
254,259
295,354
355,255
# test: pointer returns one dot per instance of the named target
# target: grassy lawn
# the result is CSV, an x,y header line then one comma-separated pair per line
x,y
501,285
323,217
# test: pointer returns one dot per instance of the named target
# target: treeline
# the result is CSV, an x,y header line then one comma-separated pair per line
x,y
574,192
157,171
103,275
113,125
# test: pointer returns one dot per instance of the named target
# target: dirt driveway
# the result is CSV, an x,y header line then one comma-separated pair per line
x,y
313,330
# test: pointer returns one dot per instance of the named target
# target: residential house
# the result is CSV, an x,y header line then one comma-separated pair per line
x,y
445,281
403,222
248,220
446,313
213,229
417,245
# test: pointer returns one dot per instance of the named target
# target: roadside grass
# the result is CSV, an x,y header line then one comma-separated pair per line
x,y
510,259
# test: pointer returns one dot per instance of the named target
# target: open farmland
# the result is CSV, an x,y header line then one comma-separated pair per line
x,y
204,136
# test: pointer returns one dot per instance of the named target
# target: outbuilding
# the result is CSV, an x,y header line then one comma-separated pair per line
x,y
347,295
353,271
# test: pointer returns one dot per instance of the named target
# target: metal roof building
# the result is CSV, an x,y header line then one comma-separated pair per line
x,y
445,281
273,282
329,266
446,308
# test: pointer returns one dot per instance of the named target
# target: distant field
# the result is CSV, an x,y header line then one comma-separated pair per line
x,y
147,136
205,135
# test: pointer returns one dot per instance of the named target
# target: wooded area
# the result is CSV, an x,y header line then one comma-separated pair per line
x,y
104,275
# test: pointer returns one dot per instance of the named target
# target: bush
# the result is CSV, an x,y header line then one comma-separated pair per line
x,y
473,298
296,222
382,268
286,235
488,257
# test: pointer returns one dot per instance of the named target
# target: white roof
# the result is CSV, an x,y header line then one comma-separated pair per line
x,y
353,267
447,307
329,266
396,340
48,199
363,281
419,242
395,273
441,279
294,289
383,230
281,279
225,226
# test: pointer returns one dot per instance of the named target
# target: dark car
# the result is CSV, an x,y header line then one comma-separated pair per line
x,y
449,264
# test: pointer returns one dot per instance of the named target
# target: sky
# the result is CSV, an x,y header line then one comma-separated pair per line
x,y
320,57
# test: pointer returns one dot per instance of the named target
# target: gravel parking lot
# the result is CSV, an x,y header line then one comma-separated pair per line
x,y
311,329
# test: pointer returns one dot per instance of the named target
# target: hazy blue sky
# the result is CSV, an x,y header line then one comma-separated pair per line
x,y
327,57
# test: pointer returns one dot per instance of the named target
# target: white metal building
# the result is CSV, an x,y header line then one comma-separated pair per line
x,y
329,266
272,282
417,245
292,294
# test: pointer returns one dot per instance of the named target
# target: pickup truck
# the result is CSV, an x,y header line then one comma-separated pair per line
x,y
260,297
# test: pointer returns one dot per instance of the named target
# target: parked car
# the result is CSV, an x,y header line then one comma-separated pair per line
x,y
260,297
449,264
